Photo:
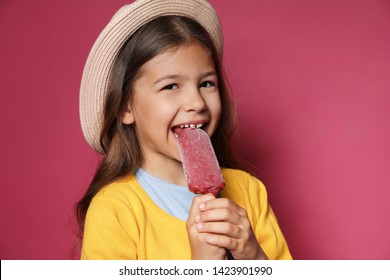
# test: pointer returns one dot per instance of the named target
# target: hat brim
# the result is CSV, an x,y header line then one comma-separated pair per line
x,y
123,24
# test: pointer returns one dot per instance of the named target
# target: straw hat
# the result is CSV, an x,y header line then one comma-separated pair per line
x,y
103,53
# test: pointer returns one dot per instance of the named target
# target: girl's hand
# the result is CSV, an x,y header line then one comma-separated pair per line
x,y
200,249
224,224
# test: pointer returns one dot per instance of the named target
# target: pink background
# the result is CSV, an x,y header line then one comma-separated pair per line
x,y
312,85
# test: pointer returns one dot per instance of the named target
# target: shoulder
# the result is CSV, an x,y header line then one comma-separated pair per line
x,y
117,191
245,190
121,196
115,204
110,222
241,181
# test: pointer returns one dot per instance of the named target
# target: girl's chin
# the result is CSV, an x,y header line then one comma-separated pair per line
x,y
177,157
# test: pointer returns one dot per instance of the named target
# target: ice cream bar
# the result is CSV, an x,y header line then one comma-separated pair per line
x,y
200,164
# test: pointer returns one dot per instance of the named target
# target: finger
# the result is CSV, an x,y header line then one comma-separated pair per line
x,y
221,241
220,214
221,203
222,228
194,210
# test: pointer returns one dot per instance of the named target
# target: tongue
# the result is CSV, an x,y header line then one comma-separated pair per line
x,y
200,164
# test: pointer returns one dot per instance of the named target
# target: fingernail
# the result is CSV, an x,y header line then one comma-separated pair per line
x,y
202,206
199,226
197,217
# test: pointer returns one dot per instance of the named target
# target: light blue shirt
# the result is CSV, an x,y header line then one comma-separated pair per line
x,y
174,199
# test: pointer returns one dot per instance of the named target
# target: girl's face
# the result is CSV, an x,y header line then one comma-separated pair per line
x,y
177,87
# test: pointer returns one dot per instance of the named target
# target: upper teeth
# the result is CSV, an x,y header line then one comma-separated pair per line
x,y
191,125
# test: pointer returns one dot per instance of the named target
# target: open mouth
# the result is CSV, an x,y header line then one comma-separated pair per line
x,y
176,129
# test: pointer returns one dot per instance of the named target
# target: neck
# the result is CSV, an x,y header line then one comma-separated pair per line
x,y
168,170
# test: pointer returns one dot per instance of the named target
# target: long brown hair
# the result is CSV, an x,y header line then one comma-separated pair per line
x,y
121,150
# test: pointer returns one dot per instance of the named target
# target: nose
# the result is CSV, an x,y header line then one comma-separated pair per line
x,y
194,101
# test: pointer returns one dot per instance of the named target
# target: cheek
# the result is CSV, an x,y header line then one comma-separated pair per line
x,y
167,106
145,107
215,107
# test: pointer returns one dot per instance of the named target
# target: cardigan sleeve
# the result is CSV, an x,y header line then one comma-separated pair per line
x,y
110,229
266,227
250,193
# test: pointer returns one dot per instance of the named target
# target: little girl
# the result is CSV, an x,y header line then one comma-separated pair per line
x,y
154,67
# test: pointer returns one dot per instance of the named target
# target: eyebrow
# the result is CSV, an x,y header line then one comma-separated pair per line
x,y
211,73
168,77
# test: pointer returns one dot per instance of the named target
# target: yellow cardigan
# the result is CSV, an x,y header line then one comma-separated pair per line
x,y
124,223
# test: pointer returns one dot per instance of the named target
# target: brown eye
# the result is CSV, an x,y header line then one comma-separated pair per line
x,y
207,84
170,87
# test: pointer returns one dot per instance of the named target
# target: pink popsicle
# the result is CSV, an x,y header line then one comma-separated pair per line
x,y
200,164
